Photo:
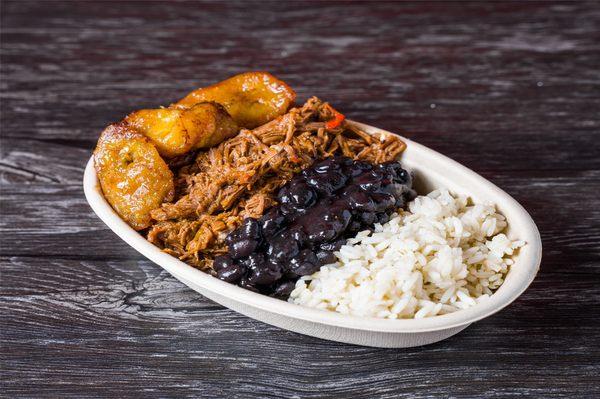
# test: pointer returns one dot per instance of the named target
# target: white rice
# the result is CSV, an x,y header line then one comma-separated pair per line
x,y
441,255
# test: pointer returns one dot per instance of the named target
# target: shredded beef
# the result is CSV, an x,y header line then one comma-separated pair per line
x,y
240,177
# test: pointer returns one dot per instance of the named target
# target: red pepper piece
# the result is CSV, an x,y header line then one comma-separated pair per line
x,y
337,120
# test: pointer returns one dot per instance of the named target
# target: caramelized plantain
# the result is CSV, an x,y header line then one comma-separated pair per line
x,y
252,98
133,176
175,131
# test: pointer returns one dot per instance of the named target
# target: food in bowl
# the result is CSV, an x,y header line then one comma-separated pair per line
x,y
318,209
277,208
240,178
135,179
440,255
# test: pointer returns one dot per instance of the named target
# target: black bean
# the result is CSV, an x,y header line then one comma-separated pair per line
x,y
250,229
327,182
302,265
370,181
299,195
231,274
282,248
242,248
272,221
354,227
264,273
283,289
325,165
358,199
329,226
356,168
368,218
325,257
297,234
383,201
333,245
222,262
245,283
253,260
383,218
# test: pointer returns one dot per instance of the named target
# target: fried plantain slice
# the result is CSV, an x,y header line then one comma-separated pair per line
x,y
175,131
252,98
133,176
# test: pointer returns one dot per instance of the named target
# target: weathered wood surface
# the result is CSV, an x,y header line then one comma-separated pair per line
x,y
512,90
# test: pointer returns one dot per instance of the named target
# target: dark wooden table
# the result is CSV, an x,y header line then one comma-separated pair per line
x,y
511,90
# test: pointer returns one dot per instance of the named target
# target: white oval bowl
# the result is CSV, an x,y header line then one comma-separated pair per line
x,y
432,170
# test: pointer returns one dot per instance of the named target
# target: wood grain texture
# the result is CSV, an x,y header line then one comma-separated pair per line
x,y
510,90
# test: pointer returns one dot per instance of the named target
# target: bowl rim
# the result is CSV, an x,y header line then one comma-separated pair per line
x,y
529,260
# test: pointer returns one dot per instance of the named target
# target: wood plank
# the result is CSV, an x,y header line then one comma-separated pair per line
x,y
509,89
123,312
